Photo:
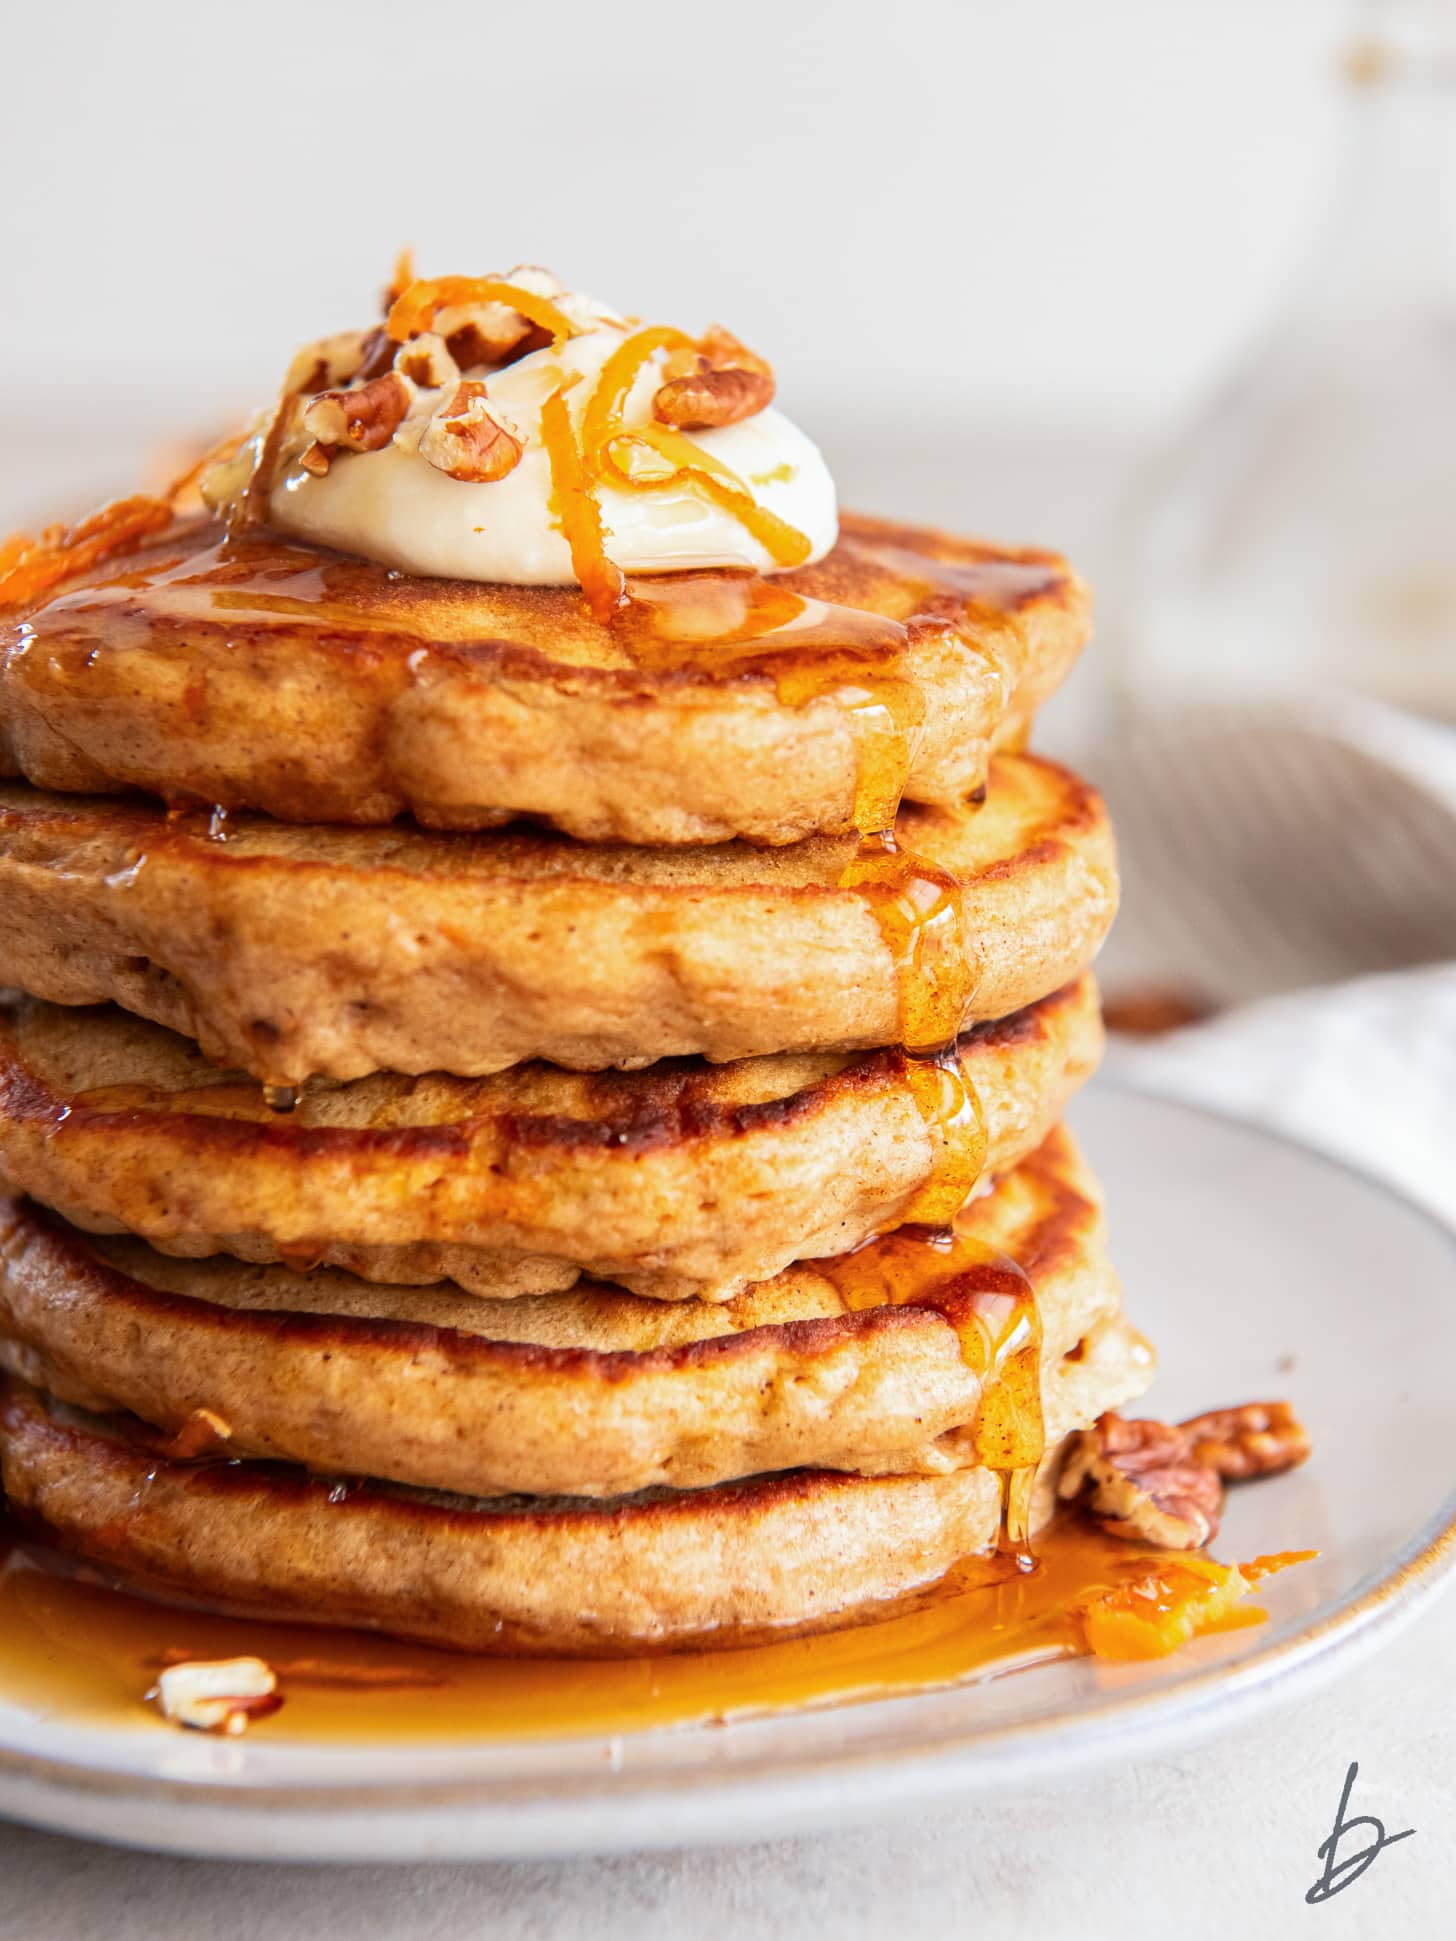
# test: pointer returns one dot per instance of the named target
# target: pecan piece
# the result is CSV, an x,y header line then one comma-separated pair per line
x,y
328,361
494,333
1259,1439
217,1695
364,420
467,441
426,361
719,382
1142,1480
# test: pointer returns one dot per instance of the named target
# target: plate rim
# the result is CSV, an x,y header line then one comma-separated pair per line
x,y
525,1814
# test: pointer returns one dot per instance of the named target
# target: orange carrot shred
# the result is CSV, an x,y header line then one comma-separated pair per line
x,y
575,506
30,567
415,308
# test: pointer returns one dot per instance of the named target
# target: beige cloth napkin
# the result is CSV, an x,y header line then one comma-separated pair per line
x,y
1293,865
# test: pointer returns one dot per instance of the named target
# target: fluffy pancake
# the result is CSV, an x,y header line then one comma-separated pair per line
x,y
592,1392
678,1181
320,688
288,951
802,1550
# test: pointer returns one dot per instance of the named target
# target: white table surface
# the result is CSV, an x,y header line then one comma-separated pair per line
x,y
1219,1842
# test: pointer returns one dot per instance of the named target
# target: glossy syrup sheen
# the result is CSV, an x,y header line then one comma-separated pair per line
x,y
84,1653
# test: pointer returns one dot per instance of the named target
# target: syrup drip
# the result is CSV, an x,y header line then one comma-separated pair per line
x,y
87,1654
928,1260
280,1098
917,906
990,1303
956,1120
747,624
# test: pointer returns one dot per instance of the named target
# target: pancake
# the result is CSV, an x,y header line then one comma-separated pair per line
x,y
595,1391
686,1180
321,688
520,1575
289,952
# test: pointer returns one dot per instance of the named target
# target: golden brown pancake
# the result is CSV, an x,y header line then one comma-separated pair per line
x,y
678,1181
798,1551
593,1392
289,952
321,688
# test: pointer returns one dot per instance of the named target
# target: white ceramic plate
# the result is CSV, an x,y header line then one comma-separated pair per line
x,y
1241,1255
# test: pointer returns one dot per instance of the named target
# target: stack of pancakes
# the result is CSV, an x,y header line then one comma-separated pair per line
x,y
539,1133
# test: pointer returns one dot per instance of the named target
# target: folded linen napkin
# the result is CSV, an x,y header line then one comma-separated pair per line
x,y
1290,867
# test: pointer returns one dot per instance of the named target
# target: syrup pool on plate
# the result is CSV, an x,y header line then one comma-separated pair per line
x,y
87,1654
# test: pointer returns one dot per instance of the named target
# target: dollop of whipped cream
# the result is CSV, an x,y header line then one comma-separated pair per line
x,y
446,467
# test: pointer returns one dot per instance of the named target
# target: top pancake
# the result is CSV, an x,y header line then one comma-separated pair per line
x,y
266,674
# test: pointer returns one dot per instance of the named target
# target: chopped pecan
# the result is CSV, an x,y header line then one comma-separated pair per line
x,y
1142,1479
379,348
329,362
364,420
426,361
493,333
218,1695
719,382
1259,1439
317,458
467,440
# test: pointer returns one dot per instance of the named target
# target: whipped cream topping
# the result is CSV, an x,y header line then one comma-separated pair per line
x,y
394,505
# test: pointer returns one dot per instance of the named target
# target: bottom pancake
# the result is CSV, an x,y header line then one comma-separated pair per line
x,y
800,1551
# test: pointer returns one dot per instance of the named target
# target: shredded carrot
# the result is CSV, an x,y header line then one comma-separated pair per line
x,y
1157,1614
30,567
687,462
1263,1567
607,449
602,418
576,508
415,309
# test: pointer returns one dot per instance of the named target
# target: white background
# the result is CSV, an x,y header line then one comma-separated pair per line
x,y
1045,211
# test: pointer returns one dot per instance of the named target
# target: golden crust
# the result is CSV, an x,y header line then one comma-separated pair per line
x,y
592,1393
289,952
319,688
678,1181
794,1552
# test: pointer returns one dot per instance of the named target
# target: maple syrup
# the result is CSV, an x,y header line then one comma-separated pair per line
x,y
995,585
951,1108
88,1654
917,906
990,1303
747,624
227,1099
